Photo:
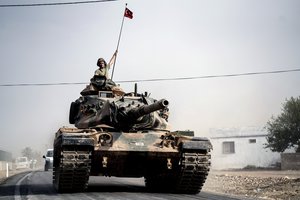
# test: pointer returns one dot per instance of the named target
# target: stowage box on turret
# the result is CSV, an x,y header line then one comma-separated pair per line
x,y
127,135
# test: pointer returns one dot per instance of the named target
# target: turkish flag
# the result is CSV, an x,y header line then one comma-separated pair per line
x,y
128,13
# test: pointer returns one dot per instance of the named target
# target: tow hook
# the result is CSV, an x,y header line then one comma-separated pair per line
x,y
104,162
169,163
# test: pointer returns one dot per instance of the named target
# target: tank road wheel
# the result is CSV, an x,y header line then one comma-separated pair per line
x,y
194,170
71,169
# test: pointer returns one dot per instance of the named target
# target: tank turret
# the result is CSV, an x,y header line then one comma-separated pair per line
x,y
122,113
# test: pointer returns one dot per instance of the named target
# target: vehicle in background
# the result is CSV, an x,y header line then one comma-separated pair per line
x,y
48,159
32,163
22,163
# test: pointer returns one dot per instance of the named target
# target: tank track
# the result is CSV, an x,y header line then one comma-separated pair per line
x,y
194,170
71,172
188,178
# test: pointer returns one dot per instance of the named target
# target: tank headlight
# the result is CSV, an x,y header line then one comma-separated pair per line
x,y
105,139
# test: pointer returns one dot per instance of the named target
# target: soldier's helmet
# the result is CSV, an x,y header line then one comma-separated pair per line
x,y
101,60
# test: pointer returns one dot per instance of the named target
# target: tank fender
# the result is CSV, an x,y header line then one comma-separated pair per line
x,y
76,140
196,144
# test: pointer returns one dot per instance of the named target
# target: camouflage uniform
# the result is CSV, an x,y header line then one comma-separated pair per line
x,y
102,71
101,81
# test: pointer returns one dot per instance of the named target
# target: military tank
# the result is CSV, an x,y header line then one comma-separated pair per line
x,y
127,135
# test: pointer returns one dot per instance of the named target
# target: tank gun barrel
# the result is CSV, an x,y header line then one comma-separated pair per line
x,y
147,109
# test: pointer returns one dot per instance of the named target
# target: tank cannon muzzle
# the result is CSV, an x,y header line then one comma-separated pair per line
x,y
147,109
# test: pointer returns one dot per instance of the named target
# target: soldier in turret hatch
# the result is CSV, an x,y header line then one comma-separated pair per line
x,y
103,68
101,80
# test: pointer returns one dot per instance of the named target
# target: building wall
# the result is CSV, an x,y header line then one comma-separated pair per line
x,y
246,153
3,165
5,158
290,161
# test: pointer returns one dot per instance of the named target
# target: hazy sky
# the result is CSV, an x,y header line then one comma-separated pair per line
x,y
165,39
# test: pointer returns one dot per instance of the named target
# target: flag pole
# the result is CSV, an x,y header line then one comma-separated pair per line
x,y
113,69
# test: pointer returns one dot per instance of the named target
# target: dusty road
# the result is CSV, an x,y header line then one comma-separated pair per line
x,y
270,185
37,185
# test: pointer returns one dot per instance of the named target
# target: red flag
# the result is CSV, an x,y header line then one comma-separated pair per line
x,y
128,13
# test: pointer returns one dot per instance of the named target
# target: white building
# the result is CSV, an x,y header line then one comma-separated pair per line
x,y
5,162
236,148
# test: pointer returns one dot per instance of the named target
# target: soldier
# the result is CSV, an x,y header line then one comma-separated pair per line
x,y
100,80
103,68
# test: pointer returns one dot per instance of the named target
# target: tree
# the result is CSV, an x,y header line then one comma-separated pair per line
x,y
284,130
28,152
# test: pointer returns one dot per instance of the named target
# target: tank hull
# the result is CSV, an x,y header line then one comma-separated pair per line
x,y
159,156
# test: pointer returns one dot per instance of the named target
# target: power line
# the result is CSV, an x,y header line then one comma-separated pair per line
x,y
159,79
53,4
213,76
41,84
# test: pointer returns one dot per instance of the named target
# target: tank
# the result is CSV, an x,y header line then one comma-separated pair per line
x,y
127,135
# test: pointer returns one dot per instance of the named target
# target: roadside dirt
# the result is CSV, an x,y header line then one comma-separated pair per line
x,y
270,185
10,173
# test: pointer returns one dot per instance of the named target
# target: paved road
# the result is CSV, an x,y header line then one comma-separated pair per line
x,y
37,185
